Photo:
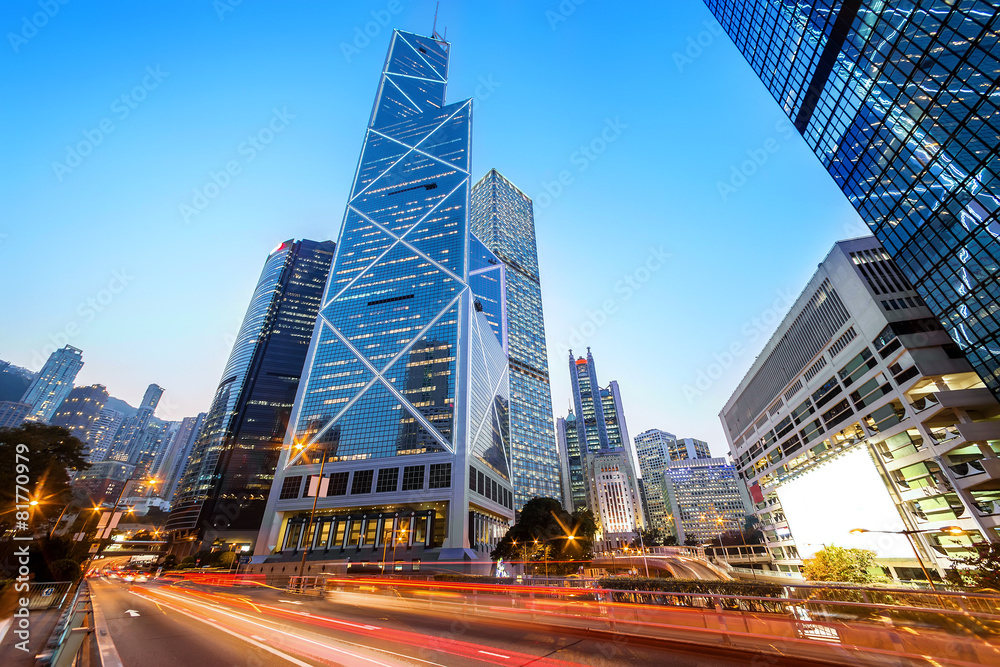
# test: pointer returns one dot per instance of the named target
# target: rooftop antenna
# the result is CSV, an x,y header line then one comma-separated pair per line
x,y
434,32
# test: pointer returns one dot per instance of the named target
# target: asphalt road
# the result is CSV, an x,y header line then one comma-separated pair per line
x,y
392,634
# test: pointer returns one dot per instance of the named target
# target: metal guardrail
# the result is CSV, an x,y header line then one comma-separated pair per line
x,y
66,641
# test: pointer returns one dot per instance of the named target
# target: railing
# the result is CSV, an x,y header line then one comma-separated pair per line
x,y
924,402
943,435
797,621
968,468
75,624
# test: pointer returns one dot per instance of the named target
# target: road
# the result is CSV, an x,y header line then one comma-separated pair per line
x,y
244,624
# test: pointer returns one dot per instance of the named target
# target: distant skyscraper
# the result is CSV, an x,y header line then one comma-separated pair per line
x,y
80,409
53,383
102,433
898,101
129,439
152,446
601,439
614,497
503,219
12,414
571,463
171,468
231,464
704,497
655,449
407,385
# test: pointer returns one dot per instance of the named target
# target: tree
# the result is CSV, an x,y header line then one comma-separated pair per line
x,y
651,537
170,561
49,454
980,571
542,534
850,566
226,559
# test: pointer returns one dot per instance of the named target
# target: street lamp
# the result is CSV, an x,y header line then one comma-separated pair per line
x,y
952,530
312,519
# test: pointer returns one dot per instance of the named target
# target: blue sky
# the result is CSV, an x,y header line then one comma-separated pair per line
x,y
120,112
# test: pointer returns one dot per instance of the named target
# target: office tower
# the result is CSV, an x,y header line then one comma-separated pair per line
x,y
53,383
861,366
614,497
503,219
571,464
104,481
152,446
130,437
601,431
655,448
14,381
171,467
80,409
704,497
102,433
13,414
231,465
406,389
898,103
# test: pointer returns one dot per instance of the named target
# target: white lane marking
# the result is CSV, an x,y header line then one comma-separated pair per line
x,y
257,638
132,612
240,617
332,620
290,601
498,655
244,617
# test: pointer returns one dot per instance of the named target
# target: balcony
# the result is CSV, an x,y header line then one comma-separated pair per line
x,y
967,399
979,431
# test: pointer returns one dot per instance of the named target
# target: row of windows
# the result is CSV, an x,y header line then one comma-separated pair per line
x,y
361,483
488,487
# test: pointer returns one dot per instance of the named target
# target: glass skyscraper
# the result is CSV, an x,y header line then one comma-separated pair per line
x,y
80,409
129,440
897,99
503,219
406,386
53,383
223,490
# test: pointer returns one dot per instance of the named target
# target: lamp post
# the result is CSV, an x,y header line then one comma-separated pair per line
x,y
642,546
953,530
312,519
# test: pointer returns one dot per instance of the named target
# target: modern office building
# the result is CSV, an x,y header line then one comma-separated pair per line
x,y
600,430
13,414
502,217
129,439
861,363
171,468
80,410
614,497
705,498
405,400
153,445
102,433
571,464
224,489
53,383
655,448
104,481
898,102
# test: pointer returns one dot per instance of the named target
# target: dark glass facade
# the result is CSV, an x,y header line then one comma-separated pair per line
x,y
897,101
80,409
503,218
406,365
232,462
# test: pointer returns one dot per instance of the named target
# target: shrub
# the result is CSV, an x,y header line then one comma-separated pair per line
x,y
65,570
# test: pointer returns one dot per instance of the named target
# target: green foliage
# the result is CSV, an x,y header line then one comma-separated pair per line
x,y
226,559
169,561
541,535
980,571
849,566
651,537
51,452
695,586
188,562
65,570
